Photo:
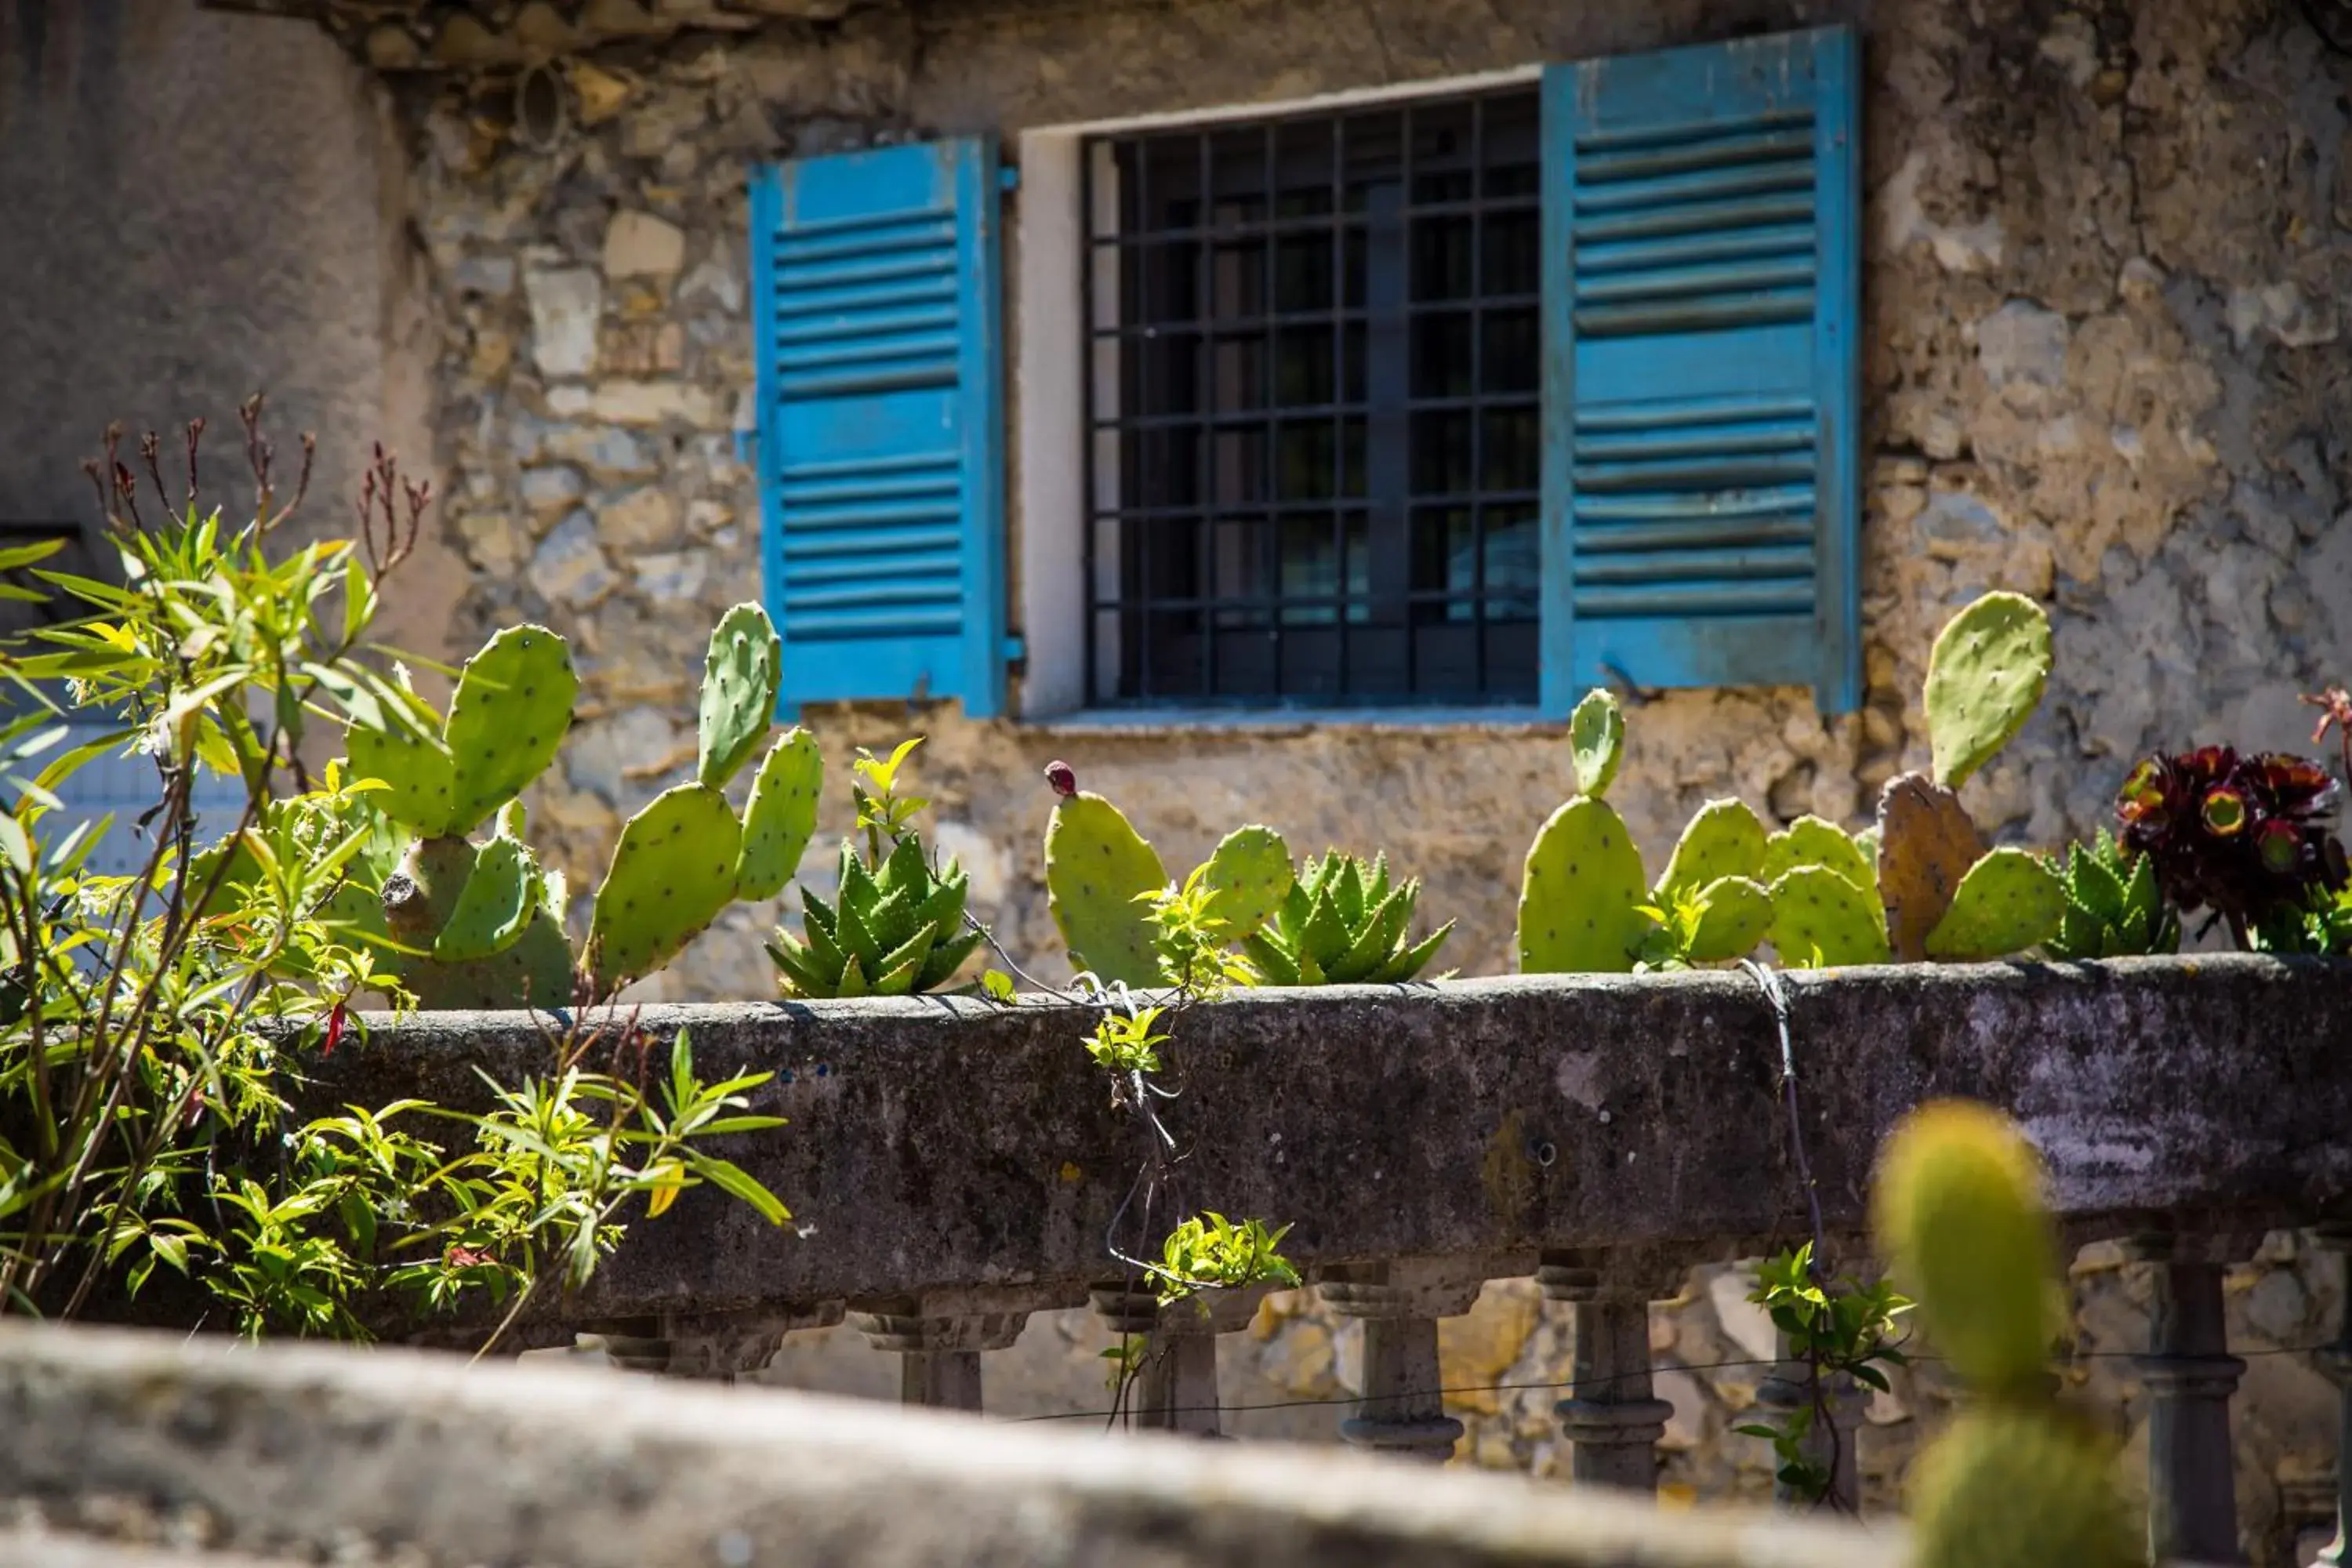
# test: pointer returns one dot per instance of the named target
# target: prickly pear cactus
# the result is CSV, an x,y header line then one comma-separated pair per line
x,y
1985,678
1925,845
2023,1488
1723,840
2114,907
1343,924
671,874
1957,1207
896,930
1813,841
780,817
1581,894
1596,739
511,709
2008,902
1820,917
740,675
413,762
503,956
1247,878
1098,868
1735,914
2015,1481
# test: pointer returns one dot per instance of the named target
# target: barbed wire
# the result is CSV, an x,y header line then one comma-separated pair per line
x,y
1536,1385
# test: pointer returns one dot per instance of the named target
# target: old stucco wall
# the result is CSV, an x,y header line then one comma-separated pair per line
x,y
200,206
2108,245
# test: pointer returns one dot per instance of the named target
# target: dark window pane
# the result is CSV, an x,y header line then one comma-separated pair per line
x,y
1315,392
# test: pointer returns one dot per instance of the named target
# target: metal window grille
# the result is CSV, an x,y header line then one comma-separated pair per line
x,y
1313,407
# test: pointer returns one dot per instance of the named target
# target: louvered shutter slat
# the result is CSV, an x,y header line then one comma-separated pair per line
x,y
1701,288
880,450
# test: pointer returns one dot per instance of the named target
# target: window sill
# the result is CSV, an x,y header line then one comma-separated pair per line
x,y
1295,720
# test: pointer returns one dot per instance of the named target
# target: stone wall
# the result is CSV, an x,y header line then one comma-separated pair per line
x,y
2108,245
200,207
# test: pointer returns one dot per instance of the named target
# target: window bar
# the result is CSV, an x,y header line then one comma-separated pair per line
x,y
1269,353
1132,293
1090,368
1387,386
1204,402
1340,388
1478,394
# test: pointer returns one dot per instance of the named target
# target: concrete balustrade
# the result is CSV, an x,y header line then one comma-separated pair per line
x,y
955,1167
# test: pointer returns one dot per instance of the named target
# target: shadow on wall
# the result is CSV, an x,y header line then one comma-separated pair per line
x,y
194,213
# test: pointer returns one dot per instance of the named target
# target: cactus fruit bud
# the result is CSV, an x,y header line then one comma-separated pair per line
x,y
1062,777
1957,1209
1985,677
1596,739
1581,893
1925,844
2008,902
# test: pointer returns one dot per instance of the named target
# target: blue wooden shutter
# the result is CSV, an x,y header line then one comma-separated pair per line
x,y
1702,284
881,448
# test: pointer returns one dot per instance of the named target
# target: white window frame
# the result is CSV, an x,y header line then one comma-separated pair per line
x,y
1047,250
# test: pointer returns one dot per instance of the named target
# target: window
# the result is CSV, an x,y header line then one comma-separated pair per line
x,y
1314,406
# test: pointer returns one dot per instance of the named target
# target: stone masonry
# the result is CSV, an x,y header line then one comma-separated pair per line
x,y
2108,245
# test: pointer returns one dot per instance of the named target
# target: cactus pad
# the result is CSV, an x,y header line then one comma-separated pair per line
x,y
511,709
739,678
1724,840
1581,896
1818,914
2021,1487
780,817
672,872
416,768
1097,866
496,902
1813,841
1925,844
534,972
2008,902
1958,1212
1985,677
1596,739
1247,877
1736,916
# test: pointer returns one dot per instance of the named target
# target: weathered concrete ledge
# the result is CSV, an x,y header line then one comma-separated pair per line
x,y
307,1450
940,1145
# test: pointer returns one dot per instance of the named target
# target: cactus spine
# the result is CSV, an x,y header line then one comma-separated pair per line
x,y
2013,1481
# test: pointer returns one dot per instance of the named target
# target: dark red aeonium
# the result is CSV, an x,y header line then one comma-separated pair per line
x,y
2244,836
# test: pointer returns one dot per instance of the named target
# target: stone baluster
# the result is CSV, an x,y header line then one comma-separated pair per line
x,y
1402,1410
940,1338
634,1345
1830,1445
2335,1362
719,1347
2189,1373
1612,1416
1176,1387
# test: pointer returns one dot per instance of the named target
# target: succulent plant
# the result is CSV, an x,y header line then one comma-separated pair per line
x,y
1585,902
1943,897
482,924
896,929
2115,906
1102,878
2013,1481
2245,835
1342,922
